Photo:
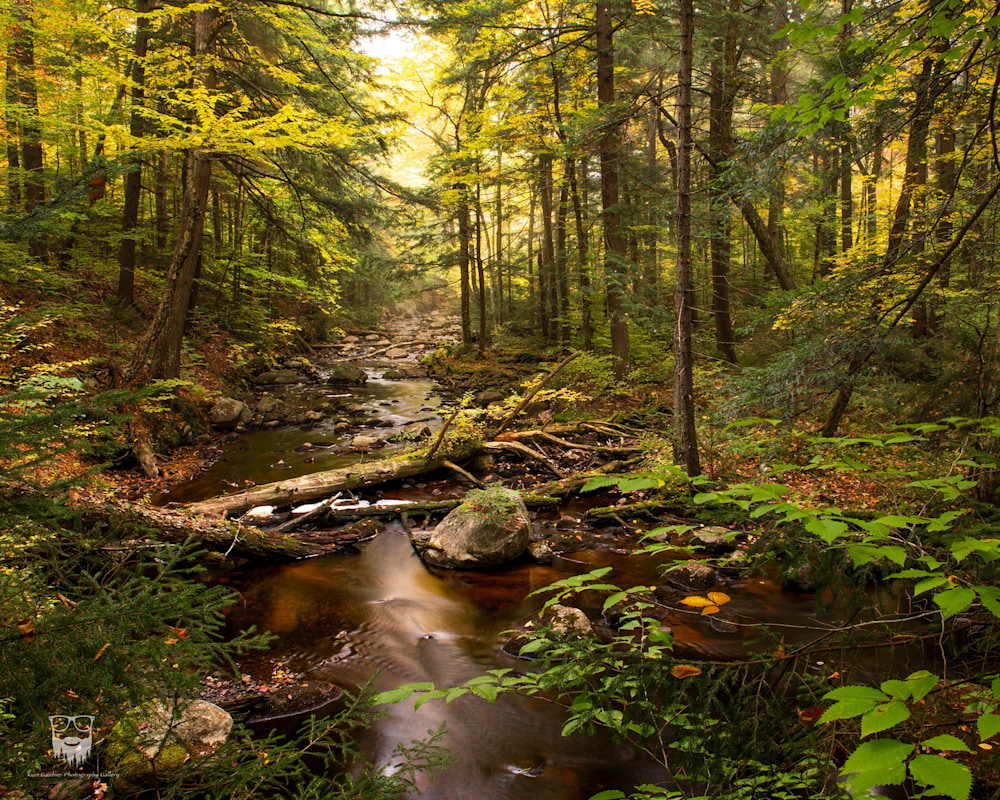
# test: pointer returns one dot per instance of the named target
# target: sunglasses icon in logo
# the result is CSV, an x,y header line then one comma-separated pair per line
x,y
72,737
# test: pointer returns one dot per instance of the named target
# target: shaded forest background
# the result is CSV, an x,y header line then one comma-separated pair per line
x,y
808,190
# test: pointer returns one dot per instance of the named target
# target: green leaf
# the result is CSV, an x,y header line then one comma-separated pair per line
x,y
942,776
954,601
400,693
921,682
988,726
857,693
826,528
876,763
912,573
947,742
928,584
883,717
635,484
847,709
614,599
899,690
600,482
989,596
610,794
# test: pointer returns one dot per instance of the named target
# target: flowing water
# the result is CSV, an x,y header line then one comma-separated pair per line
x,y
381,615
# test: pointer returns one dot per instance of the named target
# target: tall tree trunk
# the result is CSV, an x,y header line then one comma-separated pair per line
x,y
546,284
10,119
532,203
480,268
685,432
583,263
720,144
615,264
30,126
133,178
562,256
464,260
157,355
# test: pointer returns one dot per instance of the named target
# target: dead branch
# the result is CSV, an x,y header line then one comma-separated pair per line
x,y
528,397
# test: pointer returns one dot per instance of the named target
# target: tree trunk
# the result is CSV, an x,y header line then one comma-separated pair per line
x,y
720,144
158,352
546,284
133,178
562,257
10,119
685,432
29,125
323,484
464,260
583,264
615,262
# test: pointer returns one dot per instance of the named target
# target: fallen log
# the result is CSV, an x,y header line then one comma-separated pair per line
x,y
430,507
319,485
230,537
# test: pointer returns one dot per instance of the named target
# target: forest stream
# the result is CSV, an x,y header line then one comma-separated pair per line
x,y
377,613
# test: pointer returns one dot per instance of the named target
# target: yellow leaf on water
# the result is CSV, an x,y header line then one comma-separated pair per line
x,y
682,671
710,610
697,602
719,598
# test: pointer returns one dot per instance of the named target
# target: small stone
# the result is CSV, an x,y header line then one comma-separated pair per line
x,y
715,540
366,442
541,554
568,621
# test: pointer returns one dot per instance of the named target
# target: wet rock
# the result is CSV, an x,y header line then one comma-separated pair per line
x,y
481,533
228,412
416,430
801,580
153,741
372,337
340,427
361,442
270,408
351,340
296,363
414,372
541,554
313,416
397,352
692,576
715,539
568,621
281,377
394,374
347,374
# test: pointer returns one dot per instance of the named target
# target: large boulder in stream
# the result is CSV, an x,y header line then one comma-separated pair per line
x,y
279,377
347,373
228,412
490,528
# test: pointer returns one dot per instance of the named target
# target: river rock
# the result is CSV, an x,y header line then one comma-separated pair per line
x,y
692,576
296,363
347,373
397,352
801,580
488,396
361,442
281,377
351,340
481,533
270,408
313,416
568,621
151,743
715,539
228,412
394,374
416,430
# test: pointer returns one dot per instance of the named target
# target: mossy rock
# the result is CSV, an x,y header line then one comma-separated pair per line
x,y
151,744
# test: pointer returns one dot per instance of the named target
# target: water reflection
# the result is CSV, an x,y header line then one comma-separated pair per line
x,y
384,616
